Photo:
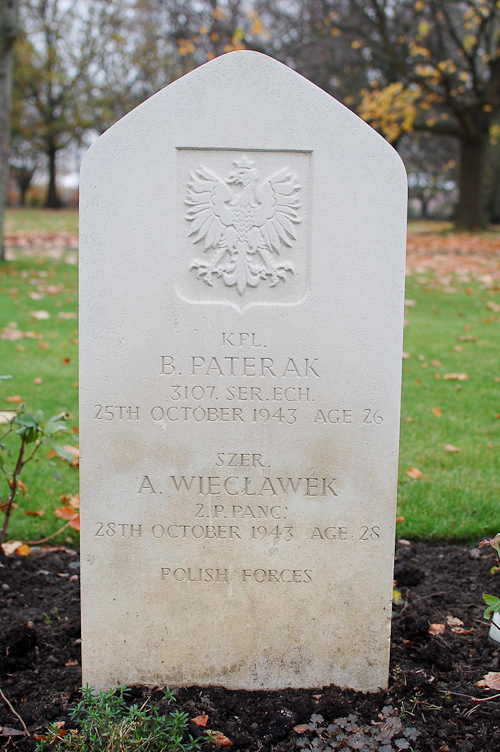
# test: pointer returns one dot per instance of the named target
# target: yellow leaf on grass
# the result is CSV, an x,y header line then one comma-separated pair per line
x,y
451,448
15,398
491,680
456,376
414,473
437,412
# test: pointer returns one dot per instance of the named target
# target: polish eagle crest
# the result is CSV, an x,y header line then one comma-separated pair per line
x,y
243,223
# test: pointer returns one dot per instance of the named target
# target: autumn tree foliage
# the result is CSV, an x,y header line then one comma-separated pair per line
x,y
424,65
434,66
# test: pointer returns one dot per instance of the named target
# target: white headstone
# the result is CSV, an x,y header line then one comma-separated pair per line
x,y
242,277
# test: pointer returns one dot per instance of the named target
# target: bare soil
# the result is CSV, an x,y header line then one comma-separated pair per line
x,y
432,678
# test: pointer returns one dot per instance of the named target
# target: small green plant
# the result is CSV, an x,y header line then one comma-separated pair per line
x,y
492,602
25,433
108,724
348,733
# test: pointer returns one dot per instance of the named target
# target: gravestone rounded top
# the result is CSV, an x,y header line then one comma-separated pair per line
x,y
242,281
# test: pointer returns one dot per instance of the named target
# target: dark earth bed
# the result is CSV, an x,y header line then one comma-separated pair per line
x,y
432,678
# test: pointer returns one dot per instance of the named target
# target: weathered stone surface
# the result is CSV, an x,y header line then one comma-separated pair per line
x,y
242,276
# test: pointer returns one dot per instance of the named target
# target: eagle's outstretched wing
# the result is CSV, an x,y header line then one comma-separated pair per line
x,y
209,213
276,214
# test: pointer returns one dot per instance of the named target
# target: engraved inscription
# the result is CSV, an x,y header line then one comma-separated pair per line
x,y
243,222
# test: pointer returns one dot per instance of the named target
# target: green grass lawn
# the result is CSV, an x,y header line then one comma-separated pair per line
x,y
41,220
457,496
49,354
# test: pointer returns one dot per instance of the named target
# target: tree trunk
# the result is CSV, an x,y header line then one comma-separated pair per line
x,y
53,201
8,32
470,210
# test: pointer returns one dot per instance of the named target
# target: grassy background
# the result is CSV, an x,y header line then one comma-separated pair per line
x,y
457,496
53,357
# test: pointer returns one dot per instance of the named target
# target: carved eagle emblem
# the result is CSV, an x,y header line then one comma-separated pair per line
x,y
243,222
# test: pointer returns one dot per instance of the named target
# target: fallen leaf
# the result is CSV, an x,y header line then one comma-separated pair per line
x,y
436,363
421,357
467,338
456,376
36,295
43,345
200,720
75,451
66,361
491,680
437,629
11,546
40,315
14,398
73,341
493,306
6,731
11,334
462,630
409,420
51,289
75,522
437,412
33,513
400,519
219,739
412,303
397,598
452,621
458,348
23,550
67,315
404,542
451,448
302,728
65,513
317,697
75,501
38,380
414,473
406,355
71,662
